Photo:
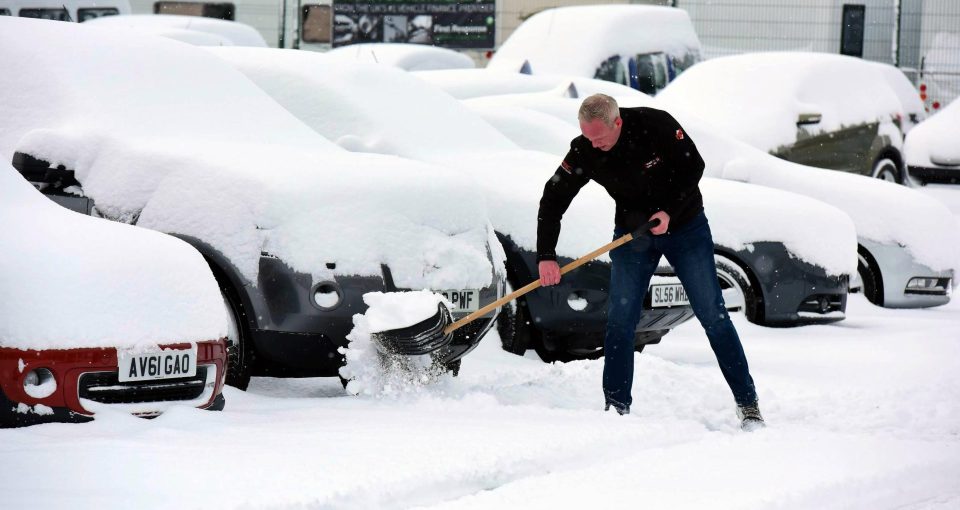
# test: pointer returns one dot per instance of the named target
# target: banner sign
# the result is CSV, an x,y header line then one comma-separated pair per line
x,y
446,23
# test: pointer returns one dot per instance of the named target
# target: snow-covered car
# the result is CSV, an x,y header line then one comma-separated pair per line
x,y
85,328
407,56
166,136
932,150
196,30
640,46
900,265
773,269
816,109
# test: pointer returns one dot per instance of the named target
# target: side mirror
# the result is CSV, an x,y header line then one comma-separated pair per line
x,y
806,119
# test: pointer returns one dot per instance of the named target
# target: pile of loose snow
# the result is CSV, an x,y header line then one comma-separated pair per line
x,y
375,373
71,281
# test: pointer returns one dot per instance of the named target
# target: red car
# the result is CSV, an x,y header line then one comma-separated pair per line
x,y
40,386
98,315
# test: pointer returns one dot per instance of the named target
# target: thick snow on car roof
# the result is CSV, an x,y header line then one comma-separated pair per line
x,y
938,137
347,101
468,83
166,131
575,40
758,97
106,284
192,29
410,57
882,212
323,92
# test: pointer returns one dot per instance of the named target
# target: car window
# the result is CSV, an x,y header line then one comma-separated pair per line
x,y
612,70
651,73
54,14
91,13
4,12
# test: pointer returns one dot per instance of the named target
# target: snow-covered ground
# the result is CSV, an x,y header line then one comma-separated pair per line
x,y
864,413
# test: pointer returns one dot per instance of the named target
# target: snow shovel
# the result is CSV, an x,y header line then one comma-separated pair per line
x,y
437,331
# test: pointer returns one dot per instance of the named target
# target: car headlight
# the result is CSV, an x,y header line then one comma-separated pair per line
x,y
327,295
40,383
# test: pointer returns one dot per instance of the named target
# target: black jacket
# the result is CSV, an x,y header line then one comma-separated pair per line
x,y
654,166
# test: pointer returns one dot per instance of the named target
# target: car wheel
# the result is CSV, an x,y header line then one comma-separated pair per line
x,y
738,293
870,277
886,169
513,325
239,349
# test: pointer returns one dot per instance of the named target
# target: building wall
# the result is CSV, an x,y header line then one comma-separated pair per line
x,y
736,26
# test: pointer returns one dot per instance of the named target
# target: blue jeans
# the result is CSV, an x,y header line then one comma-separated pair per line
x,y
689,249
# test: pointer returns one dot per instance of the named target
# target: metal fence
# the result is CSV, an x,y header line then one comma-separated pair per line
x,y
921,37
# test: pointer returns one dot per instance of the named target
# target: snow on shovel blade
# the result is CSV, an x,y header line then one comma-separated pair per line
x,y
407,323
423,337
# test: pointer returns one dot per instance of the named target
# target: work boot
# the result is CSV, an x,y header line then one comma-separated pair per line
x,y
750,418
621,409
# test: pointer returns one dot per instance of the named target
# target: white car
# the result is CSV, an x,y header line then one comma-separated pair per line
x,y
900,265
166,136
100,316
932,150
640,46
376,109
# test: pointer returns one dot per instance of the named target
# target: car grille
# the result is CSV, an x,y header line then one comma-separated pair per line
x,y
104,387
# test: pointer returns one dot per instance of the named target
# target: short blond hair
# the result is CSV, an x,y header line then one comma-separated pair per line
x,y
599,106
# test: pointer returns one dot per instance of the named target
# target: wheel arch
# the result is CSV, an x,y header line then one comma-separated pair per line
x,y
759,311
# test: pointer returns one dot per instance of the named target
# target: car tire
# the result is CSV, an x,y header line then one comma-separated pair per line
x,y
738,292
514,327
239,348
886,169
870,277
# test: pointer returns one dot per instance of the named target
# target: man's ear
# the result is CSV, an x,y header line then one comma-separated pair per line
x,y
617,122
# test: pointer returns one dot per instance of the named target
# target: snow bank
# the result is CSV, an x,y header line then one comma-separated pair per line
x,y
935,139
576,40
758,97
410,57
196,30
74,281
181,142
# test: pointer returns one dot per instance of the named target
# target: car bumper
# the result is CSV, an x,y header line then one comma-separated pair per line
x,y
795,293
87,383
296,338
898,268
935,174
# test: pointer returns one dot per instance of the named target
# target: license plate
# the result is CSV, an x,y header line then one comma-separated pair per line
x,y
668,295
463,300
150,366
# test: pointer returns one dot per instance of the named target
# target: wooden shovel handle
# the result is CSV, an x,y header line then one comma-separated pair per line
x,y
563,270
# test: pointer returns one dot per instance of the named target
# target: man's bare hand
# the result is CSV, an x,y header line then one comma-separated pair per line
x,y
549,272
659,229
